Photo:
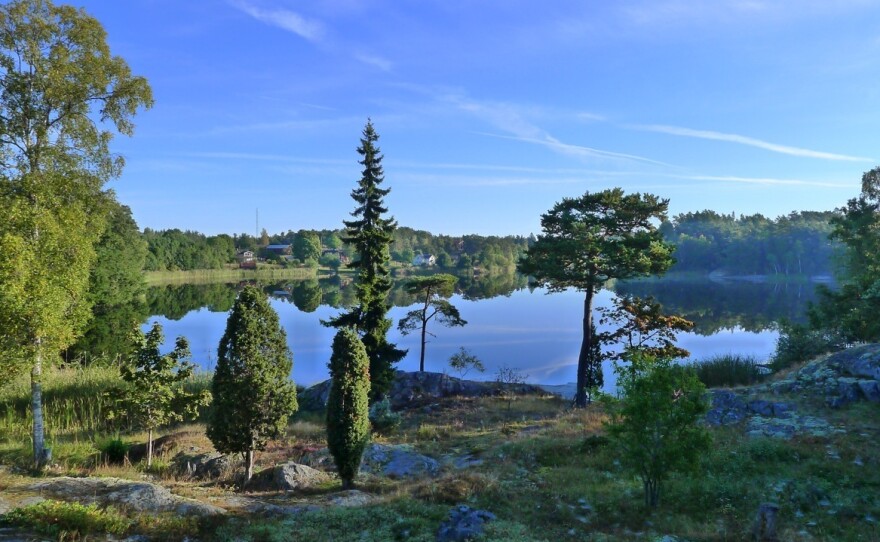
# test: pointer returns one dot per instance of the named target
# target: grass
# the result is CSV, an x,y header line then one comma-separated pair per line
x,y
728,370
548,473
195,276
75,407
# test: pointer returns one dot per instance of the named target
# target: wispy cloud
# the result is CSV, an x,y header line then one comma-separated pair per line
x,y
377,61
514,120
577,150
760,180
285,19
752,142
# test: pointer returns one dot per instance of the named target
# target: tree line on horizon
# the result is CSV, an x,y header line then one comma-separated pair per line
x,y
797,244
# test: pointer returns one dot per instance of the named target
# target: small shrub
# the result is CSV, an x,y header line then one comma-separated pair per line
x,y
383,419
463,362
114,450
798,343
69,521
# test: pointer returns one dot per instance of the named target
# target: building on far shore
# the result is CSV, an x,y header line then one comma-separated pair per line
x,y
281,250
424,260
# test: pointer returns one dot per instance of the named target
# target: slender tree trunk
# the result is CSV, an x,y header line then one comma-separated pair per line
x,y
347,483
580,398
150,447
424,331
37,407
249,459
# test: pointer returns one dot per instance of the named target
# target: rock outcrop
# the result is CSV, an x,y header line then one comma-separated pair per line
x,y
389,460
139,496
287,477
417,388
840,378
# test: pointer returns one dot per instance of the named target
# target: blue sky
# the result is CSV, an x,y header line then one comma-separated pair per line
x,y
489,112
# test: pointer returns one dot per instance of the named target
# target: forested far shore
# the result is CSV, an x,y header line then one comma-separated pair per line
x,y
706,241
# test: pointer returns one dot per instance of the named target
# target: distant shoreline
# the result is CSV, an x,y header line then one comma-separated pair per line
x,y
158,278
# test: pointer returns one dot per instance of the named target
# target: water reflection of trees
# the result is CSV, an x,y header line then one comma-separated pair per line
x,y
713,306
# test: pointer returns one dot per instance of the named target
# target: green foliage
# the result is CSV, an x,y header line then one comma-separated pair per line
x,y
348,423
639,325
463,362
655,425
797,344
69,521
61,96
155,395
589,240
172,250
728,370
796,244
850,311
306,295
252,389
433,291
117,276
113,450
371,235
382,418
307,246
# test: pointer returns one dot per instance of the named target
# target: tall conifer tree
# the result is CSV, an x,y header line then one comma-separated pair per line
x,y
252,389
371,235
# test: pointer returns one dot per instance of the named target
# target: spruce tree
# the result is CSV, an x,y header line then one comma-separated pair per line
x,y
253,392
348,421
371,236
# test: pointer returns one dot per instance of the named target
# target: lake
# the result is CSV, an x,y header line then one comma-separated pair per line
x,y
508,323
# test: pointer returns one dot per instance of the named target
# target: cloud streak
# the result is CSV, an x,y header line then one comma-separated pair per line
x,y
285,19
514,120
749,141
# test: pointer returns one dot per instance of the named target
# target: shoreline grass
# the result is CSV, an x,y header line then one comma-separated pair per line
x,y
728,370
195,276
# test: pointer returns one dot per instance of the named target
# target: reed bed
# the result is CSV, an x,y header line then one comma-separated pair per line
x,y
728,370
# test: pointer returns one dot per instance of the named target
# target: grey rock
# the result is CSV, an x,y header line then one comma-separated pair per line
x,y
870,390
287,477
204,466
5,506
397,461
464,523
350,498
139,496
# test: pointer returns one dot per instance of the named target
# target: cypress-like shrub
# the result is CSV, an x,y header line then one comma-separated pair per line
x,y
348,422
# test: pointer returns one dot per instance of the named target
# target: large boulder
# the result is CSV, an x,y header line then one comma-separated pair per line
x,y
287,477
139,496
840,378
417,388
212,465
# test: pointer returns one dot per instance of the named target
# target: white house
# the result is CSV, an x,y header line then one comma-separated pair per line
x,y
424,259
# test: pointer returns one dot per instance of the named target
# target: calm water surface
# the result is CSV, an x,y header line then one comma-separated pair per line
x,y
538,334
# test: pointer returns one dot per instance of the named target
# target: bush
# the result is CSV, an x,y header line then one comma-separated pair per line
x,y
69,521
114,450
798,343
729,370
383,419
655,426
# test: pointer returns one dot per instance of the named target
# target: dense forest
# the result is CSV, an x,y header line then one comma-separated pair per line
x,y
796,244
